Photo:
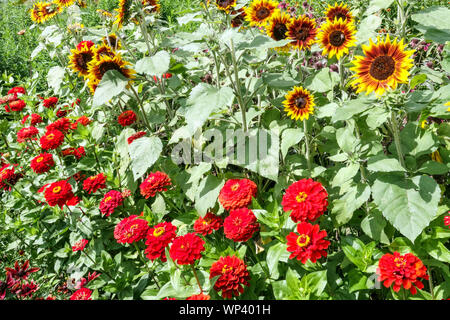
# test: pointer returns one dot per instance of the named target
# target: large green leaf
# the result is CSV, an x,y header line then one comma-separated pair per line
x,y
322,81
434,23
381,163
354,198
154,66
144,152
409,204
112,84
207,194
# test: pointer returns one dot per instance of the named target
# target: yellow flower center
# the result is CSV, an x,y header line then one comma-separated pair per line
x,y
56,189
107,199
301,197
158,231
39,159
235,187
303,240
226,269
400,262
50,136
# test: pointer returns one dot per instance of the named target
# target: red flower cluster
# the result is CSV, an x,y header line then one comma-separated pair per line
x,y
158,238
8,177
165,76
27,133
42,163
93,183
50,102
60,193
80,245
15,105
27,289
82,294
186,249
16,90
51,140
126,118
307,199
83,120
21,272
87,43
200,296
447,221
131,229
135,136
76,152
35,119
110,202
308,244
401,270
62,125
207,224
237,193
155,182
240,225
233,276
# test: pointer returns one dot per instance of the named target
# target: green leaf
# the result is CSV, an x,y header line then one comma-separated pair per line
x,y
408,204
382,163
289,138
207,194
351,108
55,77
433,168
367,28
154,66
345,174
434,23
418,79
437,250
273,258
322,81
373,225
345,206
144,152
279,80
377,5
112,84
415,142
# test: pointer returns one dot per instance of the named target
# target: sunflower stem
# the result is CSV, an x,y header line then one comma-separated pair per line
x,y
238,87
396,133
305,131
142,108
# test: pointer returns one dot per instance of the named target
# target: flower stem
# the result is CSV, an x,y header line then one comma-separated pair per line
x,y
196,278
396,132
308,159
238,87
430,282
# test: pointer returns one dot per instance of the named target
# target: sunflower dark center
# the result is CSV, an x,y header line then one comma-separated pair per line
x,y
106,66
300,102
337,38
224,3
382,67
341,15
83,59
279,31
262,13
301,33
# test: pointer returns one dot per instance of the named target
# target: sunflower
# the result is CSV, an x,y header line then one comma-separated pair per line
x,y
383,65
103,50
302,31
335,37
299,103
43,11
339,11
156,7
104,14
238,17
277,27
98,67
123,13
80,58
224,5
64,3
35,12
259,12
81,3
111,41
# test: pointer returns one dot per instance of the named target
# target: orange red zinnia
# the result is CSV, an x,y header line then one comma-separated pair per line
x,y
240,225
233,276
308,244
237,193
155,182
186,249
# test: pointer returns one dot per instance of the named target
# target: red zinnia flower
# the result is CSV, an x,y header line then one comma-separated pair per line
x,y
155,182
26,133
83,120
237,193
205,225
35,119
42,163
233,276
80,245
131,229
17,90
308,244
51,140
76,152
62,125
82,294
240,225
186,249
110,201
401,270
126,118
93,183
50,102
16,105
21,272
59,193
200,296
8,177
307,199
447,221
158,238
87,43
135,136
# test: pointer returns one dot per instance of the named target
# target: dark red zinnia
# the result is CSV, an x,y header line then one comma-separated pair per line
x,y
237,193
8,176
402,270
186,249
80,245
240,225
233,276
308,244
127,118
131,229
50,102
16,90
27,133
155,182
51,140
94,183
82,294
83,120
200,296
42,163
62,125
135,136
158,238
207,224
16,105
59,193
35,119
110,202
76,152
447,221
307,199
